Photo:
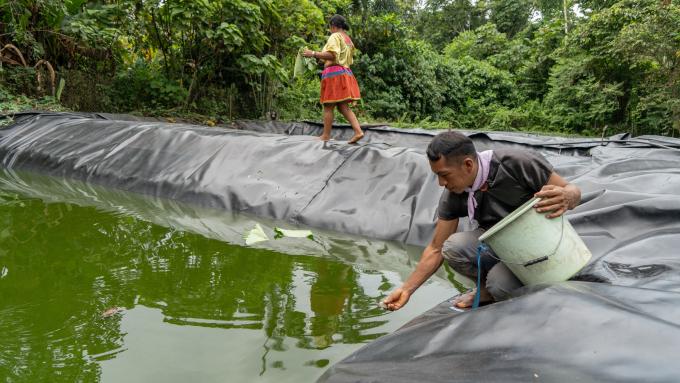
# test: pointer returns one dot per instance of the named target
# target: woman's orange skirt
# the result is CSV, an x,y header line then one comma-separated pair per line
x,y
338,84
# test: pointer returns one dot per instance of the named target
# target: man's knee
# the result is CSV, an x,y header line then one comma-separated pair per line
x,y
458,251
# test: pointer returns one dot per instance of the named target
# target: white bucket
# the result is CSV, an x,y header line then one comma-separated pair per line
x,y
537,249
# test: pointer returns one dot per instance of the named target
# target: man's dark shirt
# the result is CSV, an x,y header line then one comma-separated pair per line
x,y
514,177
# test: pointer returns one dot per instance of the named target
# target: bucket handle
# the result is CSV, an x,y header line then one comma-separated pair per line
x,y
539,259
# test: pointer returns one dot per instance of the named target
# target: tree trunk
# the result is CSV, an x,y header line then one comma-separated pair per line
x,y
565,9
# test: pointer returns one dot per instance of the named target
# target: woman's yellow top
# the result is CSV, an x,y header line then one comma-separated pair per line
x,y
342,46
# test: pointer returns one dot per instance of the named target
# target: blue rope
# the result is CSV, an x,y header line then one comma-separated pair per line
x,y
480,248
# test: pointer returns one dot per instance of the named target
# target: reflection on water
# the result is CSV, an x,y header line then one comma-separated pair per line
x,y
192,305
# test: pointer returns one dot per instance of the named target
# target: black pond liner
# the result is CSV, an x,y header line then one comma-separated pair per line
x,y
618,320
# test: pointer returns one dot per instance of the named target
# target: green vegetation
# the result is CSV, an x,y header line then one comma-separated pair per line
x,y
567,66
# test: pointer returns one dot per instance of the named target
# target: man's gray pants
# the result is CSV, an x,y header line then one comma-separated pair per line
x,y
460,252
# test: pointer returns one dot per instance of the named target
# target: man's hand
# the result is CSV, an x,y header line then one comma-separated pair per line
x,y
555,199
557,196
429,262
397,299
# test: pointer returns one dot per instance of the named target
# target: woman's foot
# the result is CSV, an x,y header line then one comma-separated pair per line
x,y
355,138
324,137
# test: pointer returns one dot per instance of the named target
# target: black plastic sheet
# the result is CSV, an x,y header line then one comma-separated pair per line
x,y
298,179
617,322
569,332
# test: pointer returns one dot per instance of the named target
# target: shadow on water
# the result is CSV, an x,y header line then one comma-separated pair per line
x,y
103,285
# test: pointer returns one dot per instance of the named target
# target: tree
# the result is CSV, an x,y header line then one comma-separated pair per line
x,y
628,52
511,16
442,20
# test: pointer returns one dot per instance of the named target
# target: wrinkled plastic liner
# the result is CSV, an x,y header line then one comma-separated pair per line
x,y
619,320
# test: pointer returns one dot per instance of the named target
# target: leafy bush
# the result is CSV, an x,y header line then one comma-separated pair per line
x,y
485,84
578,100
12,103
299,100
529,116
482,43
19,79
145,86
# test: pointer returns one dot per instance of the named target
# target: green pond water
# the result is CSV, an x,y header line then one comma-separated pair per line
x,y
101,285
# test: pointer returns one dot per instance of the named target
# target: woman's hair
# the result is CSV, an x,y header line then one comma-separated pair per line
x,y
339,21
452,145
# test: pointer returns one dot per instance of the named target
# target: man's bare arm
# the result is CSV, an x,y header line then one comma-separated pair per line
x,y
430,260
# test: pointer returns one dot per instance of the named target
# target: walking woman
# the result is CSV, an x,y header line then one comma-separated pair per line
x,y
338,85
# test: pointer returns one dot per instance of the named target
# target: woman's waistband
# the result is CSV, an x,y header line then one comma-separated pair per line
x,y
335,70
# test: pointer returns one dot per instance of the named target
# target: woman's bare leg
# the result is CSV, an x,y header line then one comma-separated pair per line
x,y
327,121
349,115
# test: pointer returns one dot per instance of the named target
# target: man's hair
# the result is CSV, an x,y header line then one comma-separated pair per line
x,y
339,21
451,145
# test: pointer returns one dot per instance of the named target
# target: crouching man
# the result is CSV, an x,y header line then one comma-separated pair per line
x,y
484,187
